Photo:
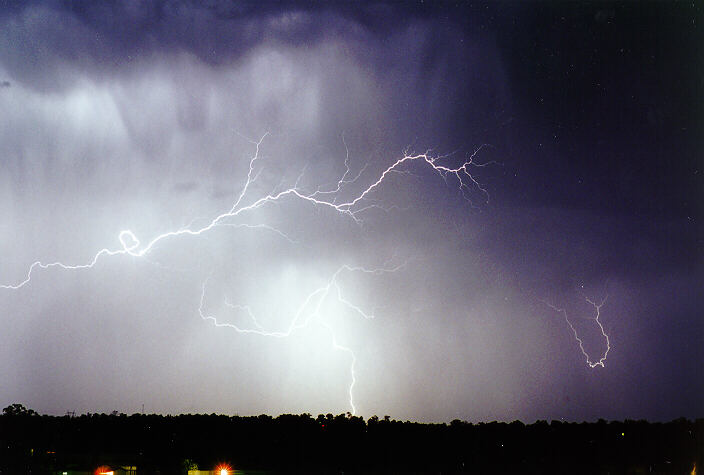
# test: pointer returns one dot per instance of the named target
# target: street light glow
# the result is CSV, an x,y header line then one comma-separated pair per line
x,y
223,469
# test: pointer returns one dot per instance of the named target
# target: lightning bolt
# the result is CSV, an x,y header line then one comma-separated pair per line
x,y
307,314
597,308
328,197
131,244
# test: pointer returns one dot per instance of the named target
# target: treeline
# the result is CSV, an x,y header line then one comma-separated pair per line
x,y
37,444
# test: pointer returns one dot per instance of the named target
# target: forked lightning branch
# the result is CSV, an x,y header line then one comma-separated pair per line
x,y
311,311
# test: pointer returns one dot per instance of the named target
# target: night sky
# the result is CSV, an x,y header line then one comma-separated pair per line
x,y
430,298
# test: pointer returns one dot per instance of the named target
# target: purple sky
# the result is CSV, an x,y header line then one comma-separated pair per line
x,y
145,117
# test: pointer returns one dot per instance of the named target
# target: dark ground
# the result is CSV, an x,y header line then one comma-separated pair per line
x,y
38,444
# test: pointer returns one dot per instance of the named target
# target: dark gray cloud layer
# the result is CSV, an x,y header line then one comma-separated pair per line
x,y
141,116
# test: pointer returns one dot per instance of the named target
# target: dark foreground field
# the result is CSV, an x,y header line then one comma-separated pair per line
x,y
32,443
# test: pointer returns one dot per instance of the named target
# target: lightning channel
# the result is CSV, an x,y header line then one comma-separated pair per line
x,y
307,314
597,308
131,244
329,197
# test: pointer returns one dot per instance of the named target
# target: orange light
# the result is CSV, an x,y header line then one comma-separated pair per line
x,y
104,470
223,469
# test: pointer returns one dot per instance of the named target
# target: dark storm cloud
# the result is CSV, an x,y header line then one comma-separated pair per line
x,y
40,38
417,53
608,91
